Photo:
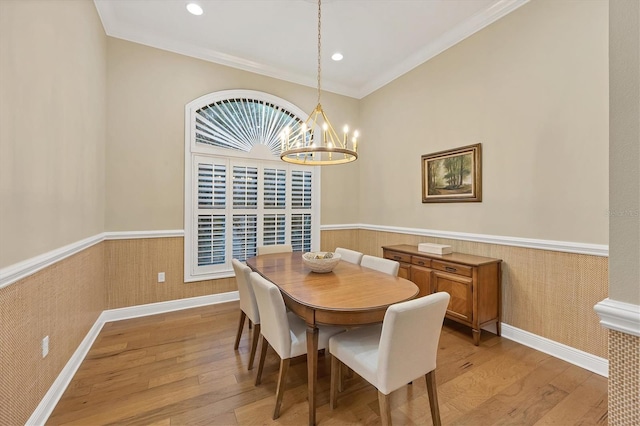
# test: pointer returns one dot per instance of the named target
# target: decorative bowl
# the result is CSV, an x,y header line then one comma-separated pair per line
x,y
321,261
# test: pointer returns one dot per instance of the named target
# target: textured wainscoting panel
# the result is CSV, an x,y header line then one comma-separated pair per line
x,y
132,268
547,293
347,238
624,379
62,301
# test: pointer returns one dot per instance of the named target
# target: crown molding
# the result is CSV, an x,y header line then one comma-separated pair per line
x,y
112,29
447,40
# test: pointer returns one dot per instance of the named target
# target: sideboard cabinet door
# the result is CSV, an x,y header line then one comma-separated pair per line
x,y
461,291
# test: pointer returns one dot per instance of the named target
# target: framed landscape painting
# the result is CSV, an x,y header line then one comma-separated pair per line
x,y
452,176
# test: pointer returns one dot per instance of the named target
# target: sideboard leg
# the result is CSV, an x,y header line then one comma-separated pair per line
x,y
476,337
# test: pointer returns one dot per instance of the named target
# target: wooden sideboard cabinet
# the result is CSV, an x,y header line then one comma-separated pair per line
x,y
474,283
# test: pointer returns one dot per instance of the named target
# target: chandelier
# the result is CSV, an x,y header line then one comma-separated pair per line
x,y
315,142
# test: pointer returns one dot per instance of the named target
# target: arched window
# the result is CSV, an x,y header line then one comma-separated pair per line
x,y
238,193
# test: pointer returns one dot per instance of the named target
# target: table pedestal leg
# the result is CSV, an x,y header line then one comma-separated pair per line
x,y
312,370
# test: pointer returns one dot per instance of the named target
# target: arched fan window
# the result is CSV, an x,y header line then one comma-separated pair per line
x,y
238,193
242,123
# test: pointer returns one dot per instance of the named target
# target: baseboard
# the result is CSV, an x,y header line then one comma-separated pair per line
x,y
53,395
567,353
48,403
169,306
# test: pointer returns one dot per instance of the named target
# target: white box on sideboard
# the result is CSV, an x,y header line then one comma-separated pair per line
x,y
434,248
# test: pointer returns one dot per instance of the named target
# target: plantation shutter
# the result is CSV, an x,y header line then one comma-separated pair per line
x,y
211,215
275,198
301,223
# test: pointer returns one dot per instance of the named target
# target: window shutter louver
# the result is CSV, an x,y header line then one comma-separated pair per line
x,y
211,240
301,189
245,240
301,232
245,187
274,229
275,188
212,186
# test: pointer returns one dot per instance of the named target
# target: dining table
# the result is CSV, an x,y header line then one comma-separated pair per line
x,y
350,295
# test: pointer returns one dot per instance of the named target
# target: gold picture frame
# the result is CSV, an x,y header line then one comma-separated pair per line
x,y
453,176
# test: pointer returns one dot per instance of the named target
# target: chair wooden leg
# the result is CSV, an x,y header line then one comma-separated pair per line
x,y
284,367
341,369
433,397
385,408
240,327
263,355
335,381
254,345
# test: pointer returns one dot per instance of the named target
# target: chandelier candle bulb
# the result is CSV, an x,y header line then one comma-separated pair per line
x,y
324,133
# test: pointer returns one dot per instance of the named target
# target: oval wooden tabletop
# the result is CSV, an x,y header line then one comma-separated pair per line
x,y
348,287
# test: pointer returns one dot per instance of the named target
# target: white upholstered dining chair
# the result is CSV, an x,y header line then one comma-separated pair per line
x,y
350,256
390,355
284,331
248,307
275,248
387,266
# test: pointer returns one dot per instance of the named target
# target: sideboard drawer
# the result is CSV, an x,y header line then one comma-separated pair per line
x,y
421,261
452,268
397,256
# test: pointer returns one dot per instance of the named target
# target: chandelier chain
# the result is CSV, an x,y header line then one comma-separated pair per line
x,y
319,46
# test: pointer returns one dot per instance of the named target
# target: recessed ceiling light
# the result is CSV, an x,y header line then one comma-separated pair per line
x,y
195,9
337,56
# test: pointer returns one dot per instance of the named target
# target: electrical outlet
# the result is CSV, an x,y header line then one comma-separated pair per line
x,y
45,346
160,277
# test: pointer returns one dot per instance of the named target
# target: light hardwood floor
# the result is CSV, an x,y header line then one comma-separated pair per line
x,y
180,368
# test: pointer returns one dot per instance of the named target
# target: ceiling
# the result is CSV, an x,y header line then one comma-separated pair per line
x,y
380,39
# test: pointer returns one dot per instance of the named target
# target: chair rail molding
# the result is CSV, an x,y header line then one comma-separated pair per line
x,y
601,250
130,235
619,316
20,270
23,269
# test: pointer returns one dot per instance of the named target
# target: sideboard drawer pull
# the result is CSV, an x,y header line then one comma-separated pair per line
x,y
450,269
397,257
420,263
